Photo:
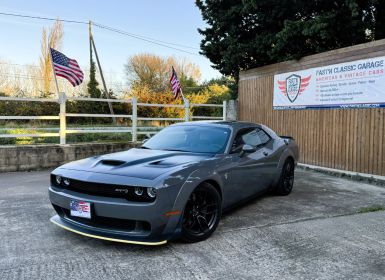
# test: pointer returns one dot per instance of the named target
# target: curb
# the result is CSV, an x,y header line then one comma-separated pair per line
x,y
356,176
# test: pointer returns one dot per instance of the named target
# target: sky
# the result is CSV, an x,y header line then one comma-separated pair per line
x,y
174,21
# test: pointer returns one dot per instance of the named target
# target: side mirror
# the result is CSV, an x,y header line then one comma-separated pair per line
x,y
247,149
145,140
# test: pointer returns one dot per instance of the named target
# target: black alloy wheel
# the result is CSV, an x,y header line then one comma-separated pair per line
x,y
201,214
286,181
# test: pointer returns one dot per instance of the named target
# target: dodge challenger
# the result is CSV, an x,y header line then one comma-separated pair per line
x,y
175,185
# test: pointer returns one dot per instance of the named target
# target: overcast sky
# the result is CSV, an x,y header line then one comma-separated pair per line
x,y
174,21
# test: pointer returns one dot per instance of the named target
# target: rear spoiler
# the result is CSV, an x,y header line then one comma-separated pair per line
x,y
286,137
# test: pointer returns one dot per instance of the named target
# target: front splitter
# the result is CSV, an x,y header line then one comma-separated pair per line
x,y
63,224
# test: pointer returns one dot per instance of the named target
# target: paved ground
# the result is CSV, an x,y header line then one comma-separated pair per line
x,y
315,233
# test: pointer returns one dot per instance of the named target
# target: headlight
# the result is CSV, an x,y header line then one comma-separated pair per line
x,y
138,191
66,181
58,179
151,192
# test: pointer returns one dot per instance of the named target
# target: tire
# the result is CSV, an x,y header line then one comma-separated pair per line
x,y
202,213
286,180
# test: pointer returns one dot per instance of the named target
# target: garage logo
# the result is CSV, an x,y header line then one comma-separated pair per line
x,y
293,86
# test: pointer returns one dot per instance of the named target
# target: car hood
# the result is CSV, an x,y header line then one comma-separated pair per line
x,y
139,163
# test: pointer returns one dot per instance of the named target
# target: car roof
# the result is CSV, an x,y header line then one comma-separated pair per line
x,y
236,125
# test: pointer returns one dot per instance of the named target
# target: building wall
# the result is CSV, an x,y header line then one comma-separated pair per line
x,y
348,139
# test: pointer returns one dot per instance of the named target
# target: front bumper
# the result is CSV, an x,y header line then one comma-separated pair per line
x,y
116,219
98,235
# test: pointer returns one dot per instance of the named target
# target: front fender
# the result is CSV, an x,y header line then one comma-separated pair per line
x,y
196,177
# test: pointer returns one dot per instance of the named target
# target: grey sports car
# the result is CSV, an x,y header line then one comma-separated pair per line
x,y
176,185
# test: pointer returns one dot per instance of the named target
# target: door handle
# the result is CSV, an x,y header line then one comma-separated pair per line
x,y
265,153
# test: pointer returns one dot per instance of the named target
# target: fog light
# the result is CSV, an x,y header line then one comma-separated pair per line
x,y
138,191
151,192
66,181
58,179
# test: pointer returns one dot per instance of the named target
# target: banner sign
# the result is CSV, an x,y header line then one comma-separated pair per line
x,y
355,84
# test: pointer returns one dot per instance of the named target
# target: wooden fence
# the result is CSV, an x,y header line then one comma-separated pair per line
x,y
349,139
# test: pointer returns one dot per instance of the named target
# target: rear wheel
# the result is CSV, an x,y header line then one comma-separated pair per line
x,y
286,181
201,214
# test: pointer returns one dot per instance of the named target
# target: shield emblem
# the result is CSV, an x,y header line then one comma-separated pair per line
x,y
293,85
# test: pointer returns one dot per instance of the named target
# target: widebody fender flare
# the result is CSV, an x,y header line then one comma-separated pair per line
x,y
196,178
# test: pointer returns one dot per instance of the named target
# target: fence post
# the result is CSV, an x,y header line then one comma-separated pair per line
x,y
62,118
134,119
186,110
224,110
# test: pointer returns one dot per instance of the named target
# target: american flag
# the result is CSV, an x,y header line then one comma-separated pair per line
x,y
67,68
175,84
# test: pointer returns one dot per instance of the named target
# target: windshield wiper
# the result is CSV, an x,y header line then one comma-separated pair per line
x,y
145,147
176,150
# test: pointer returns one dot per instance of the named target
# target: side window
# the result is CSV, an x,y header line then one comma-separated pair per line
x,y
264,137
254,137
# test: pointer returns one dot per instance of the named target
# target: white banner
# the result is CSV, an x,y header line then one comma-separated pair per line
x,y
355,84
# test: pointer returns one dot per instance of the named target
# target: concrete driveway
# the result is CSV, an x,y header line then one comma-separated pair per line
x,y
314,233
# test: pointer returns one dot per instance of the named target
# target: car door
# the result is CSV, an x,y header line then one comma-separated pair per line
x,y
246,176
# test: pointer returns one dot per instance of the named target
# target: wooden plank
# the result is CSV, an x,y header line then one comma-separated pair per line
x,y
372,134
338,130
316,125
361,145
366,140
355,140
342,140
348,140
376,143
381,142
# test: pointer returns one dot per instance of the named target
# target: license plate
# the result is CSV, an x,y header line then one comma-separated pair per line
x,y
80,209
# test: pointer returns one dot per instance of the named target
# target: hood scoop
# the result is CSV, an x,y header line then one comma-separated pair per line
x,y
112,162
162,163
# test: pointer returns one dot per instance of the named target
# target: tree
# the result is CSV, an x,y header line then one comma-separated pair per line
x,y
92,86
252,33
153,72
377,19
53,40
228,82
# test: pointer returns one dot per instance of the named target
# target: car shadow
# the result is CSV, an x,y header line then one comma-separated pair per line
x,y
245,203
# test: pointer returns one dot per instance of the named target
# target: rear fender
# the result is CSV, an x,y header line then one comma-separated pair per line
x,y
285,154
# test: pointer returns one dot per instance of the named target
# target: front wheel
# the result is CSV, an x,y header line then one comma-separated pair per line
x,y
202,213
286,181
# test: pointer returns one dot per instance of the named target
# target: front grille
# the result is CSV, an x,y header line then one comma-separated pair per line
x,y
100,189
106,222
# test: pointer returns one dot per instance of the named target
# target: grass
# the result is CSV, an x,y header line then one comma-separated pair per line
x,y
373,208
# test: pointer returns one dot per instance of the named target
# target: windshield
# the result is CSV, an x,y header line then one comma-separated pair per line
x,y
196,139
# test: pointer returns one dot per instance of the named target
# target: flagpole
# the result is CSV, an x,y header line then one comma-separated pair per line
x,y
181,92
54,74
62,101
186,105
